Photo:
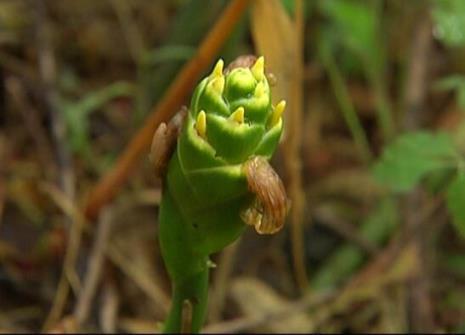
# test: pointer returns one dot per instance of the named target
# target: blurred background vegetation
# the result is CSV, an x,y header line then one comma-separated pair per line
x,y
373,158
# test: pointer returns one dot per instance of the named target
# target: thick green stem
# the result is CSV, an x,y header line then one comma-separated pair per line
x,y
190,294
187,268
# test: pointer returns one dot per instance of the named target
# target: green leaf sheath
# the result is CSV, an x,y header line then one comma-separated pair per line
x,y
230,120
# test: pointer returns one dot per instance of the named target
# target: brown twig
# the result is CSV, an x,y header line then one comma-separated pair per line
x,y
109,186
94,271
68,273
130,29
47,68
31,120
293,159
416,89
109,310
2,176
65,193
283,51
416,82
140,278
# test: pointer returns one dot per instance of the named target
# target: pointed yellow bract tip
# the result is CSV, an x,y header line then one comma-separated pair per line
x,y
201,124
217,70
258,69
259,90
277,112
217,84
238,115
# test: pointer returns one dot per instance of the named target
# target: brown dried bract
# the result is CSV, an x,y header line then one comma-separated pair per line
x,y
164,142
241,61
269,210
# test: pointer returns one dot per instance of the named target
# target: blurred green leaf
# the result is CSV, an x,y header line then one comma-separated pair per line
x,y
456,202
454,263
411,156
76,113
355,26
449,17
438,180
289,5
355,23
453,83
168,53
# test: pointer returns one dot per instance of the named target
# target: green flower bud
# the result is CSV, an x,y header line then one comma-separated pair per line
x,y
208,194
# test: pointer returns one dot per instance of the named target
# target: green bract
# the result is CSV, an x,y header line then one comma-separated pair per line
x,y
230,120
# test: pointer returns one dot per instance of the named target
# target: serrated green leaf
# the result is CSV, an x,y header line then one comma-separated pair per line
x,y
411,157
456,202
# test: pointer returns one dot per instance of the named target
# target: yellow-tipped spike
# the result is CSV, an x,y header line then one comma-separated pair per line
x,y
201,124
217,70
259,90
258,69
238,115
277,112
218,84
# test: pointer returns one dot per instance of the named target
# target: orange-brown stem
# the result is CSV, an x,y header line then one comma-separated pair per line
x,y
111,183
